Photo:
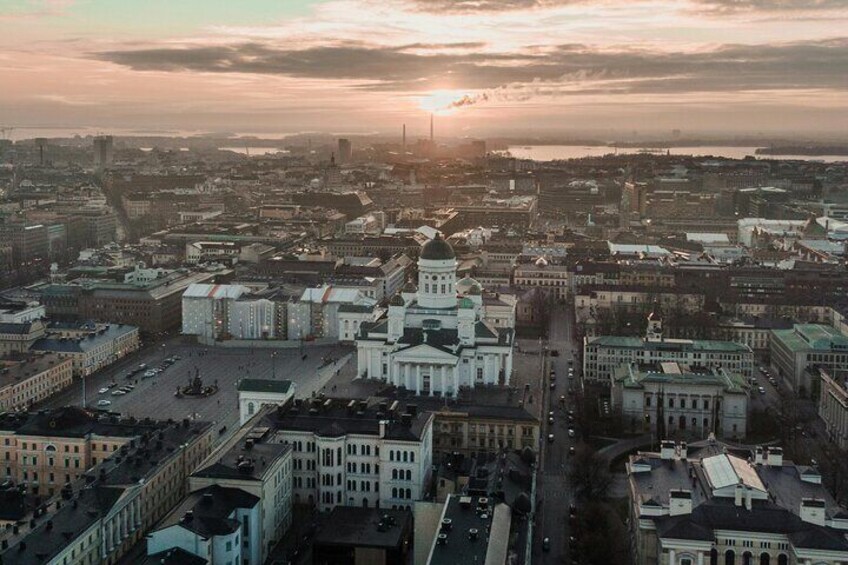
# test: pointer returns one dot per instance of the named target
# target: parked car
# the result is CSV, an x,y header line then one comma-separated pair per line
x,y
104,402
118,392
761,390
571,450
148,375
103,390
550,438
546,544
571,432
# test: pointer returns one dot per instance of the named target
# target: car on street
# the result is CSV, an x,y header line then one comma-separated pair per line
x,y
553,385
550,438
571,432
118,392
551,420
104,402
571,450
148,375
761,390
772,381
103,390
546,544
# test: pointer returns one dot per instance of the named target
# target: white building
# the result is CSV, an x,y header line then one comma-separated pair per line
x,y
351,453
694,402
255,393
252,318
218,524
206,309
206,251
433,341
833,407
316,314
254,464
603,355
708,504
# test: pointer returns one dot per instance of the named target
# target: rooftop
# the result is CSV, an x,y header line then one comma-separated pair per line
x,y
207,512
365,527
265,385
805,337
464,535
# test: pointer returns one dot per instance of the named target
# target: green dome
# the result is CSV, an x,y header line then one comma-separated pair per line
x,y
437,249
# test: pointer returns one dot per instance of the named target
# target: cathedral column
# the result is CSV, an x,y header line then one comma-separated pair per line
x,y
700,558
455,380
432,380
417,380
671,557
406,376
444,384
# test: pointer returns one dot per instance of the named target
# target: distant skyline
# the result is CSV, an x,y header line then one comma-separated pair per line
x,y
485,67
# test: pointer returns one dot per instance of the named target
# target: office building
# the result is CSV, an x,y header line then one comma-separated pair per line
x,y
103,151
796,354
833,407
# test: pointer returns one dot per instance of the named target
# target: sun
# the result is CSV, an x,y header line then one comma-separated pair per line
x,y
439,101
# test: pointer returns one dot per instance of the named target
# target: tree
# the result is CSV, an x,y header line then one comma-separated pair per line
x,y
589,474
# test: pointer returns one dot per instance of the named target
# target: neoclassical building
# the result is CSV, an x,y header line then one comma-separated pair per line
x,y
435,338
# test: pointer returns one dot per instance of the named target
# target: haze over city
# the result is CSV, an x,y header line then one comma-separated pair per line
x,y
486,67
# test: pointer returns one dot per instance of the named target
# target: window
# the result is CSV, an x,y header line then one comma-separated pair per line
x,y
250,408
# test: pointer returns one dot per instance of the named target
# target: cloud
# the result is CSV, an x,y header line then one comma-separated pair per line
x,y
569,68
483,6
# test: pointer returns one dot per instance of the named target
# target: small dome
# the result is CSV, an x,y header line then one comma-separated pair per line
x,y
437,249
409,287
397,300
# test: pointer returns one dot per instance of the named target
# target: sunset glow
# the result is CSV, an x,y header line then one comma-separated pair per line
x,y
338,64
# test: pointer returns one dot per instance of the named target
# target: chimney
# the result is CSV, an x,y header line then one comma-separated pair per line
x,y
813,511
667,450
759,456
680,502
775,456
739,494
383,424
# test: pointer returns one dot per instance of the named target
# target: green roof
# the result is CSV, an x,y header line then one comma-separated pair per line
x,y
634,377
265,385
805,337
669,344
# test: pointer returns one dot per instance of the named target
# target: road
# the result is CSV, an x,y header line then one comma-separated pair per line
x,y
553,482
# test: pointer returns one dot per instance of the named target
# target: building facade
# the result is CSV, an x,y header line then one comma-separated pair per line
x,y
347,452
431,341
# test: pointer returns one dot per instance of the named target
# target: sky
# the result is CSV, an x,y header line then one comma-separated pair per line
x,y
484,67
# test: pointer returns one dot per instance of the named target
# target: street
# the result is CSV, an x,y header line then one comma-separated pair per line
x,y
555,493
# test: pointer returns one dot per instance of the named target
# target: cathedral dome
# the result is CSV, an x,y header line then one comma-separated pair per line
x,y
437,249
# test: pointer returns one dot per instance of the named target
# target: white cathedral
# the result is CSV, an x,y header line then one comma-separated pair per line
x,y
434,338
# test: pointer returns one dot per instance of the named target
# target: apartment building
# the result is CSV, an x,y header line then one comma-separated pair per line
x,y
260,468
92,346
549,277
98,518
23,382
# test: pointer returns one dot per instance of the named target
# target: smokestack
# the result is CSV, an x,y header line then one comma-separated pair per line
x,y
404,138
432,137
